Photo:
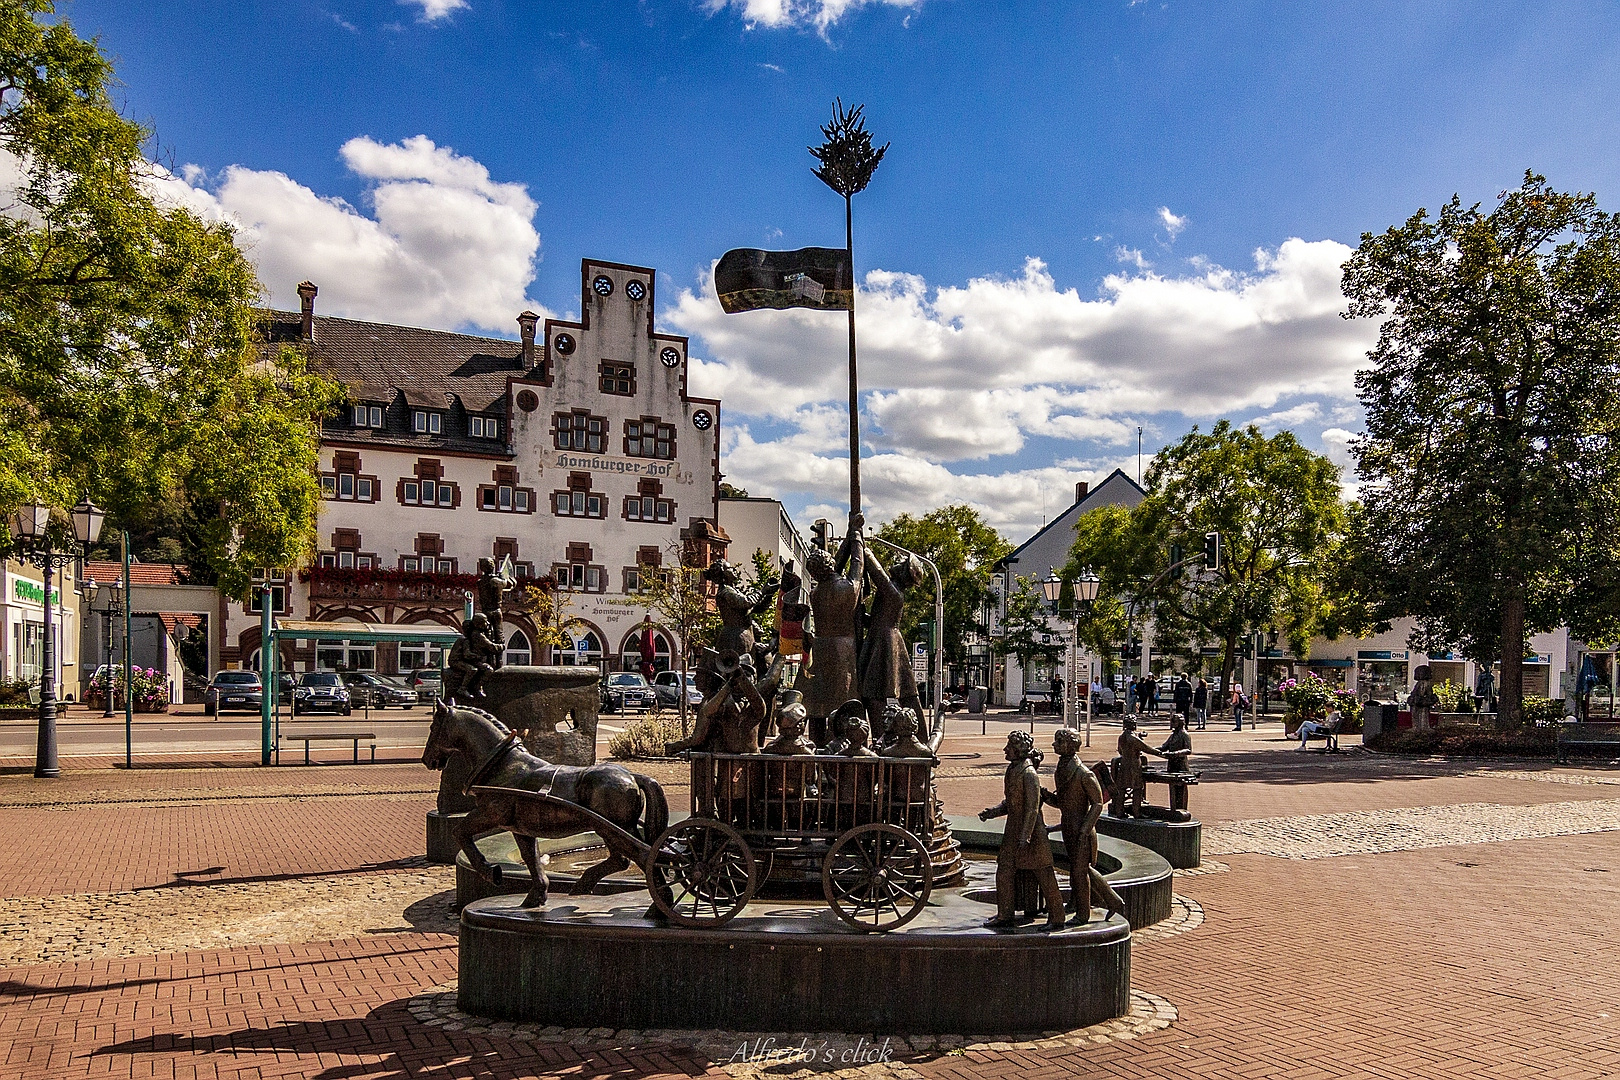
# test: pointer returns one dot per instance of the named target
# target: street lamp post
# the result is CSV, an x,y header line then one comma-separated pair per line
x,y
1085,595
1052,589
114,593
30,533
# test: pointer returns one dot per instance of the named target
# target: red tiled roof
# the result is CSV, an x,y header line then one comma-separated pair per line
x,y
107,571
173,619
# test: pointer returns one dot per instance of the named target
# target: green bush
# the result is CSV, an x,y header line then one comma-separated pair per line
x,y
1525,741
14,691
1454,698
1540,710
647,736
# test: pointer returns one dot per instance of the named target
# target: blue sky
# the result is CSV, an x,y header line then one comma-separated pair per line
x,y
1093,217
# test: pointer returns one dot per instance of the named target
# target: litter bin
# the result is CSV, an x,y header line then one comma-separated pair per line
x,y
976,699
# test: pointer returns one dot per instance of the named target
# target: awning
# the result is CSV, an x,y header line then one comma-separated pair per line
x,y
363,633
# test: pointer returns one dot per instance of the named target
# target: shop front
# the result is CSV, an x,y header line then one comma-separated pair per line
x,y
1383,675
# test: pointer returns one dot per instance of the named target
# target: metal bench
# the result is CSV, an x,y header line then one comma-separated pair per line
x,y
337,736
1329,736
1600,735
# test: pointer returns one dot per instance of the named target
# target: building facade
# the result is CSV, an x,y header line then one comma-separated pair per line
x,y
576,452
760,524
22,625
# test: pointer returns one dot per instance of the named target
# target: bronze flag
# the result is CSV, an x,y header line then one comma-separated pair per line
x,y
748,279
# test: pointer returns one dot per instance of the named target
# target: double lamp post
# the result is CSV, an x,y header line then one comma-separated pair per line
x,y
1085,595
33,543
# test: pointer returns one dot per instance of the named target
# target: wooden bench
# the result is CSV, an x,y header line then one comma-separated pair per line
x,y
337,736
1601,735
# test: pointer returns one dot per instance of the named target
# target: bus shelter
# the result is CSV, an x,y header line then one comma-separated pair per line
x,y
355,633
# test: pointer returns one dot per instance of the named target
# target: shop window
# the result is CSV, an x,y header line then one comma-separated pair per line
x,y
579,430
517,648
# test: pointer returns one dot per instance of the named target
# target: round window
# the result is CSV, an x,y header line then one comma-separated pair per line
x,y
527,401
603,285
635,290
702,420
671,356
563,343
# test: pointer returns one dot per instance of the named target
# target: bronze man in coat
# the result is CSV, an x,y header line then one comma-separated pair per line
x,y
1023,843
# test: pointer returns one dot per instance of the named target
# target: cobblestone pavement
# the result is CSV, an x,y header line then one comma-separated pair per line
x,y
1324,836
39,929
284,926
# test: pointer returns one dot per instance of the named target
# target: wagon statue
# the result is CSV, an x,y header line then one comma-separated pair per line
x,y
857,824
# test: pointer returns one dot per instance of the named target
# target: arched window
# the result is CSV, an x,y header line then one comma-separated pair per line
x,y
517,649
586,650
252,662
635,643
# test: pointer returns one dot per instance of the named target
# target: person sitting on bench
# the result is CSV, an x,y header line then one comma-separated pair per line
x,y
1327,729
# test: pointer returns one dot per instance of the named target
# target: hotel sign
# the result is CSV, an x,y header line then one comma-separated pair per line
x,y
30,593
670,470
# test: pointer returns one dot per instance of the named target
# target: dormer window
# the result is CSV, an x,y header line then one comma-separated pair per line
x,y
426,422
484,427
368,416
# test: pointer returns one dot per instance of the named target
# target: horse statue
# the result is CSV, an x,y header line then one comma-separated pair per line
x,y
633,803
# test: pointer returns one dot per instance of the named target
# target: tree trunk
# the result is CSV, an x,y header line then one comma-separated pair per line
x,y
1511,690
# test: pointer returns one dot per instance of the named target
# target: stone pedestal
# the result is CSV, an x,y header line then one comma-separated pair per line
x,y
441,836
555,707
1179,842
787,966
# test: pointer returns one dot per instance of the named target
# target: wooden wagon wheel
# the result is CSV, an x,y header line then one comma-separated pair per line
x,y
701,873
877,877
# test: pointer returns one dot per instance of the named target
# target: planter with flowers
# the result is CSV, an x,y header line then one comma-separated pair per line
x,y
1311,698
151,688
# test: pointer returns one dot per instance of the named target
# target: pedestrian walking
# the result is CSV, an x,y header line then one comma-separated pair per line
x,y
1200,703
1182,695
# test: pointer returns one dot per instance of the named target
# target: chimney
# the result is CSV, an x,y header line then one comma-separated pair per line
x,y
306,303
1080,490
526,323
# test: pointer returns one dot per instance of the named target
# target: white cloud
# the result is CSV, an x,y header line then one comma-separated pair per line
x,y
434,10
974,372
447,245
1132,257
1173,223
777,14
1200,346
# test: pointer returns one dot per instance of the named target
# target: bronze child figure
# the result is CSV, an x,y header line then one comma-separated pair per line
x,y
1024,845
1079,798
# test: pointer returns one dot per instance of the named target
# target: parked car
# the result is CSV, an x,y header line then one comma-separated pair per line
x,y
239,691
666,684
428,682
369,689
625,690
321,691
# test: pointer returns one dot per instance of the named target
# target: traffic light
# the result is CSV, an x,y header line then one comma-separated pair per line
x,y
820,531
1248,649
1130,650
1212,551
1176,555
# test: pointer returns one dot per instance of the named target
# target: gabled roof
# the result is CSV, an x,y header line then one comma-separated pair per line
x,y
107,571
428,369
1074,511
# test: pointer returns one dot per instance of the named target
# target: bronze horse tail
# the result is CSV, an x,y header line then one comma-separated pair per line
x,y
655,818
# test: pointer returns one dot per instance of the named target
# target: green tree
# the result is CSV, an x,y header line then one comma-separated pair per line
x,y
1283,526
678,598
1028,628
1493,420
761,576
966,549
128,369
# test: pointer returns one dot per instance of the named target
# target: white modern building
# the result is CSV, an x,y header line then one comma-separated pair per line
x,y
576,451
760,524
22,625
